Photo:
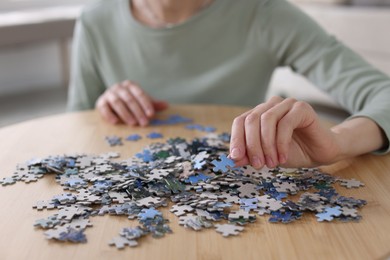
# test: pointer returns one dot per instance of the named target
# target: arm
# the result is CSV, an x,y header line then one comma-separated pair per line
x,y
288,132
295,40
124,102
371,137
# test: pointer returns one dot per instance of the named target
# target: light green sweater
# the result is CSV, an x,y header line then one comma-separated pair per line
x,y
225,54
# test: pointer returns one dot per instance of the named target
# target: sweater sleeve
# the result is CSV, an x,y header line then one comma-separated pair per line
x,y
295,40
86,84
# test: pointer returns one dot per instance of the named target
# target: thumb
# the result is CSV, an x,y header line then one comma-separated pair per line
x,y
160,105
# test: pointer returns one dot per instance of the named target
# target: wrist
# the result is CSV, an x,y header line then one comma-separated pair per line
x,y
357,136
341,142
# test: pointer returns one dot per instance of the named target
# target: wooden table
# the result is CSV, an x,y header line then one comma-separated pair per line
x,y
84,133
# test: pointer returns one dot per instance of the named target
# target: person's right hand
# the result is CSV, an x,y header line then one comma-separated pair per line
x,y
127,103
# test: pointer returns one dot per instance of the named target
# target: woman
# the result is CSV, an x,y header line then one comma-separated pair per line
x,y
224,52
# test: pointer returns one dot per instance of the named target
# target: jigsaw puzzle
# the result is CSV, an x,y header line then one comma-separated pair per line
x,y
195,177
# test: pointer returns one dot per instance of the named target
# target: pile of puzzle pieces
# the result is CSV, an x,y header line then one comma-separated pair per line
x,y
195,178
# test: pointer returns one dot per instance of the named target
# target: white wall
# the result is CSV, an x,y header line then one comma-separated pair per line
x,y
34,45
24,68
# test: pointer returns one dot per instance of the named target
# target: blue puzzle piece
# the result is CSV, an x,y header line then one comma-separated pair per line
x,y
223,164
329,214
209,129
133,137
149,213
71,163
194,127
154,135
146,156
171,120
175,119
194,179
248,204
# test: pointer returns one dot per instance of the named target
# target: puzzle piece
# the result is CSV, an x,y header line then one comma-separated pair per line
x,y
42,204
284,217
180,210
114,140
7,181
240,214
134,138
228,229
247,190
288,187
150,201
222,164
133,233
194,179
194,222
263,173
158,174
171,120
154,135
187,170
329,213
149,213
46,223
73,235
351,183
248,204
146,156
121,242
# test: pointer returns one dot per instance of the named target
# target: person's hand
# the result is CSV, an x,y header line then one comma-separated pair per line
x,y
282,132
127,103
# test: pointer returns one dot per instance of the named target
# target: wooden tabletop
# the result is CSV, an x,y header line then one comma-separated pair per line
x,y
84,132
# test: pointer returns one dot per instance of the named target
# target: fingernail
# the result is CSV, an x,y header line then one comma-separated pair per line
x,y
149,112
256,162
236,153
269,161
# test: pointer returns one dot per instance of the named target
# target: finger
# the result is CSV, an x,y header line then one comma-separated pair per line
x,y
119,107
143,99
295,118
269,122
106,112
252,137
237,139
242,162
133,105
254,149
160,105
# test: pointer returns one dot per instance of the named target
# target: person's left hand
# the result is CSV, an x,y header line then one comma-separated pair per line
x,y
282,132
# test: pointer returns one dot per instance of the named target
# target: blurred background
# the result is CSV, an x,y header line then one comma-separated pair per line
x,y
36,36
